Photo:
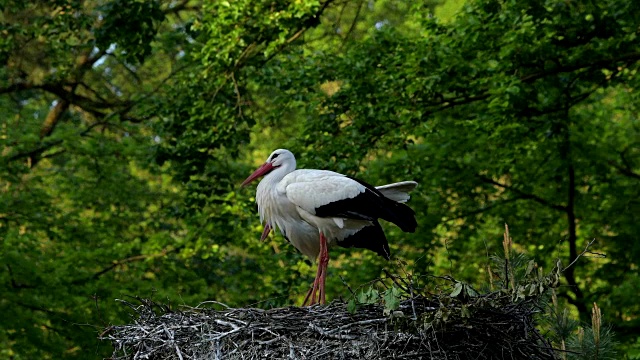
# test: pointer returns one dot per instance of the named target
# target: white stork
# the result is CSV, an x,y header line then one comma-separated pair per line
x,y
315,209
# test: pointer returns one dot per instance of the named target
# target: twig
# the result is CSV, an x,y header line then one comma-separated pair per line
x,y
212,302
331,334
582,253
170,335
344,282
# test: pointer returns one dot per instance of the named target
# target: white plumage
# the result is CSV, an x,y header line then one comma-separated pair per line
x,y
309,205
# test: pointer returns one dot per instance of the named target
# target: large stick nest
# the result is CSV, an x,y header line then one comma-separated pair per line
x,y
490,326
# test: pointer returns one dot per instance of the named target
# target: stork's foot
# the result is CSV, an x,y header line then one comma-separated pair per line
x,y
311,298
316,294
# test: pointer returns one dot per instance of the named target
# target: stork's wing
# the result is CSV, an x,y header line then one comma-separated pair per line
x,y
313,190
329,194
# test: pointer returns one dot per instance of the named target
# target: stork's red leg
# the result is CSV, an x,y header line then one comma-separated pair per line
x,y
317,293
266,231
323,262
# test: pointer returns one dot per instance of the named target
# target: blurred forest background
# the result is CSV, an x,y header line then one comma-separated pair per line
x,y
127,126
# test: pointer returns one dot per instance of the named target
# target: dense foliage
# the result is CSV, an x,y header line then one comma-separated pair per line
x,y
127,126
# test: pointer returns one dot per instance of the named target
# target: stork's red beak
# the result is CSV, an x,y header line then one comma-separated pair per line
x,y
262,170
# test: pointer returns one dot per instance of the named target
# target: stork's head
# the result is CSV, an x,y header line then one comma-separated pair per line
x,y
279,159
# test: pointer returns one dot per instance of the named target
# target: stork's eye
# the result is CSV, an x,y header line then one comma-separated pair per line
x,y
274,156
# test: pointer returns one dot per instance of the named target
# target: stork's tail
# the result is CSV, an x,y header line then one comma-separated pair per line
x,y
398,192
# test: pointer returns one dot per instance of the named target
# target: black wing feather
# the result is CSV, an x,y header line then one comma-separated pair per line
x,y
371,205
370,237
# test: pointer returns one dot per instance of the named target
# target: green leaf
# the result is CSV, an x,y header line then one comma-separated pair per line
x,y
351,306
457,289
391,299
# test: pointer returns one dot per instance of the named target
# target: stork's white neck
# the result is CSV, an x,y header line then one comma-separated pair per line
x,y
273,178
270,202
